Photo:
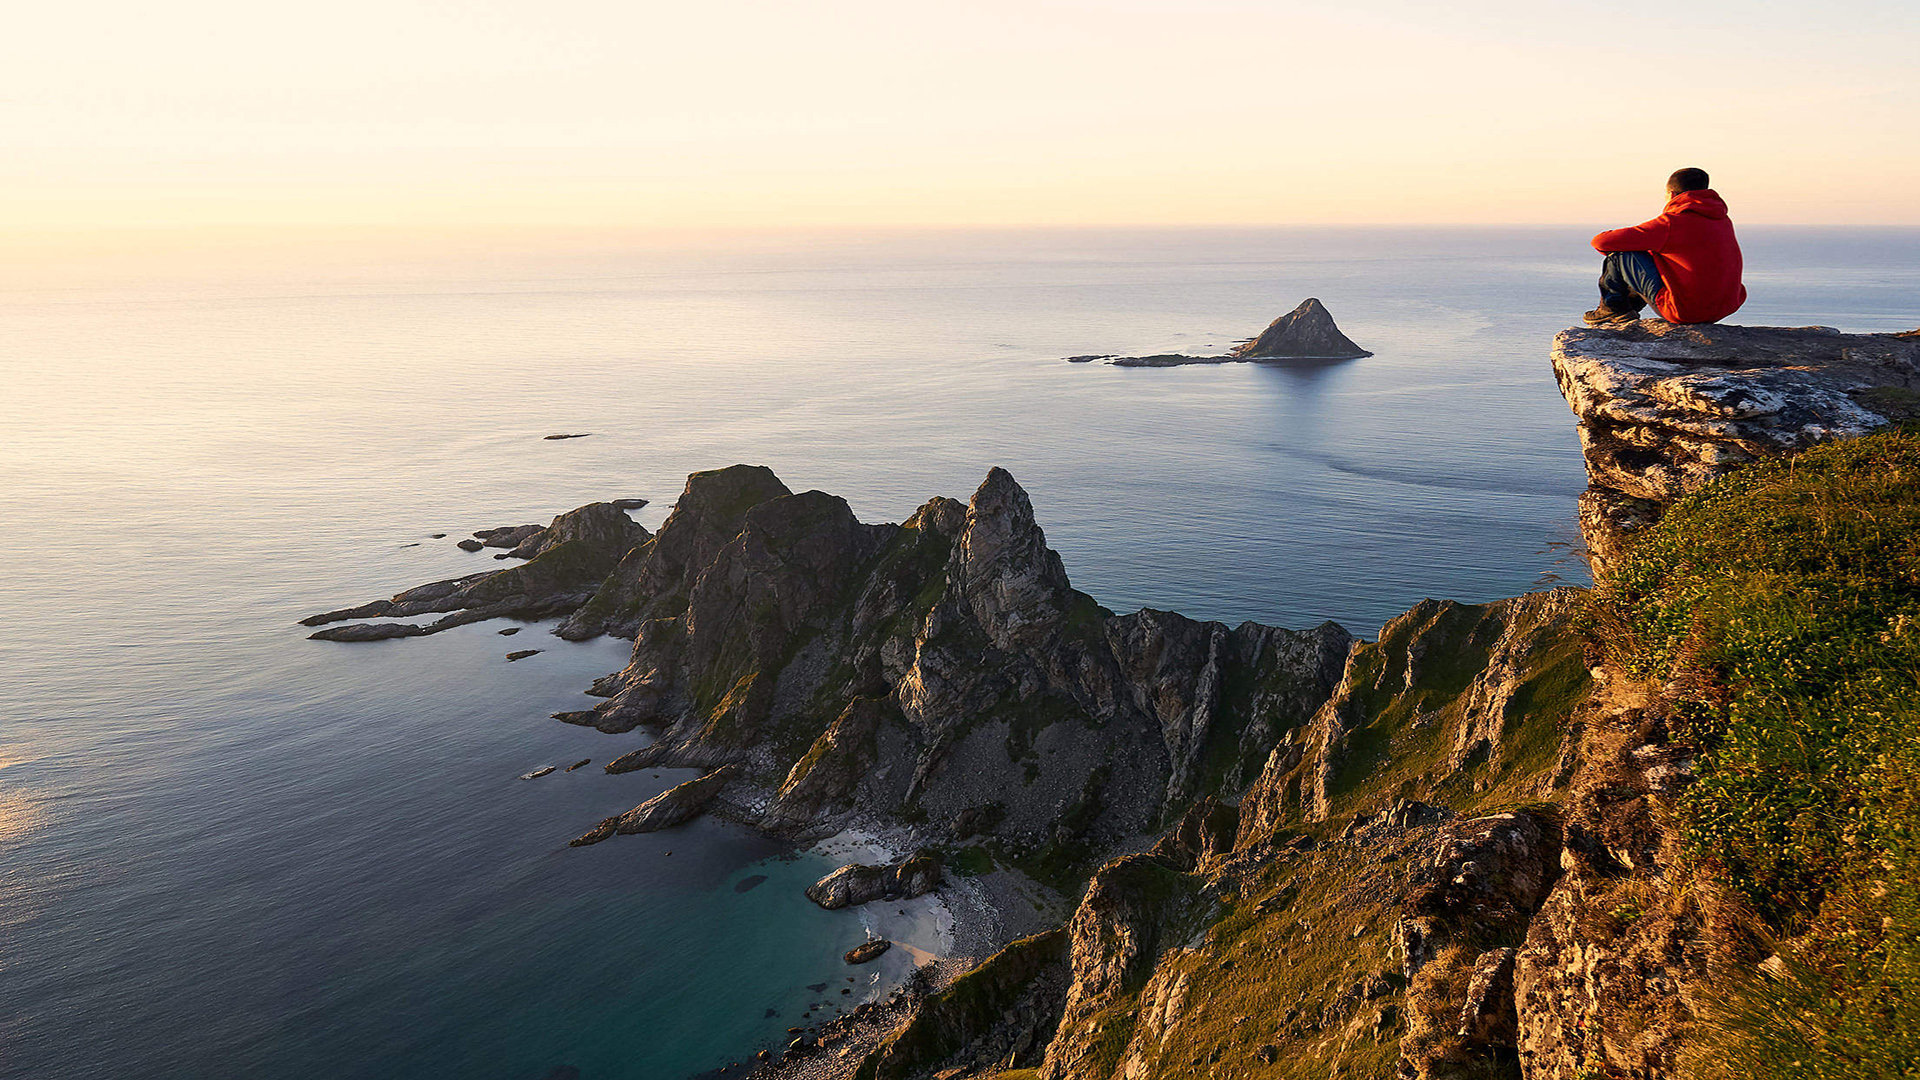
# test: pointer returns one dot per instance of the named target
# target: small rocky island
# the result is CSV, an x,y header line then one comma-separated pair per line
x,y
1307,332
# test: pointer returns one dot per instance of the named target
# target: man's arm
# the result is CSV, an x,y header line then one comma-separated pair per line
x,y
1646,236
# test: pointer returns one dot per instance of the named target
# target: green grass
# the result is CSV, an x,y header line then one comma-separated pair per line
x,y
1781,608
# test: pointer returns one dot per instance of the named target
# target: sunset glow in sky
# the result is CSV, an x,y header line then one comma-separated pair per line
x,y
116,114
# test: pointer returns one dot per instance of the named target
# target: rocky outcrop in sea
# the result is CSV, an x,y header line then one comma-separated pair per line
x,y
1307,332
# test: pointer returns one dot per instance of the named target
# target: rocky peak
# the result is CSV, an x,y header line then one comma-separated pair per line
x,y
1305,333
1015,587
603,525
652,582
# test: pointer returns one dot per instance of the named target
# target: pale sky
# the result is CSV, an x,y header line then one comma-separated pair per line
x,y
739,113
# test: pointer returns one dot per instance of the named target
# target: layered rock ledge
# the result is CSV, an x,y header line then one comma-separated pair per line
x,y
1666,409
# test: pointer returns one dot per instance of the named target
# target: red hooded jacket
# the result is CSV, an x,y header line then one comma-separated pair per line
x,y
1693,245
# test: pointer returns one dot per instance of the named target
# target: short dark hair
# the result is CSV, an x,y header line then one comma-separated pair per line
x,y
1687,180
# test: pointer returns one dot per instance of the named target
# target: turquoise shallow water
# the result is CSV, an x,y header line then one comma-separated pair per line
x,y
226,850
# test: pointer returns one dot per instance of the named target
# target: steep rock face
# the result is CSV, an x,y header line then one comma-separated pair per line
x,y
1622,957
1307,332
652,582
1002,1014
1273,938
1664,409
1117,934
945,667
1445,686
1469,903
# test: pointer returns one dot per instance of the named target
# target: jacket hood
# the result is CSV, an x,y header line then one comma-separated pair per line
x,y
1706,203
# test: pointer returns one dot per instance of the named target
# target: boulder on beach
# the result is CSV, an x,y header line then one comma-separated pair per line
x,y
858,883
871,950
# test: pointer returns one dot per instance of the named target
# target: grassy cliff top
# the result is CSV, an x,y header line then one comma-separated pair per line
x,y
1780,611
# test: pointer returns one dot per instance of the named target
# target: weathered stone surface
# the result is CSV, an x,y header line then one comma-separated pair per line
x,y
1666,409
857,883
1133,909
1483,882
966,676
871,950
1002,1013
1488,1018
1471,677
677,804
651,582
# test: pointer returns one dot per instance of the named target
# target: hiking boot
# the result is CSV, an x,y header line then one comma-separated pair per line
x,y
1611,313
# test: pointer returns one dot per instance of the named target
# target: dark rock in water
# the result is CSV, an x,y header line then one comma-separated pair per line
x,y
508,537
522,654
470,545
771,1013
504,555
437,536
509,631
629,504
537,773
817,987
857,883
567,561
414,544
368,632
556,438
860,954
676,804
1090,358
578,764
749,883
597,833
1305,333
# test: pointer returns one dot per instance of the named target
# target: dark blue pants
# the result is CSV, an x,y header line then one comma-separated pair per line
x,y
1629,280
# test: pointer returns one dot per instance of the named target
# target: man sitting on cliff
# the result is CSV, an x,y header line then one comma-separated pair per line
x,y
1686,262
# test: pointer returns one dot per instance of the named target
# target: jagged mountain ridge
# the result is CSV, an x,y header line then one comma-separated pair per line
x,y
944,667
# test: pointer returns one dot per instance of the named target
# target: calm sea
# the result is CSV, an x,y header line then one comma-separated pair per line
x,y
228,851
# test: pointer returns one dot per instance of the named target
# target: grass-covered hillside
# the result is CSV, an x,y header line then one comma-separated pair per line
x,y
1780,612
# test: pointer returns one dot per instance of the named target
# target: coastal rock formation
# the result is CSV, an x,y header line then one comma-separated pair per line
x,y
943,666
1305,333
858,883
1277,937
567,560
1665,409
676,805
1446,686
1002,1013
